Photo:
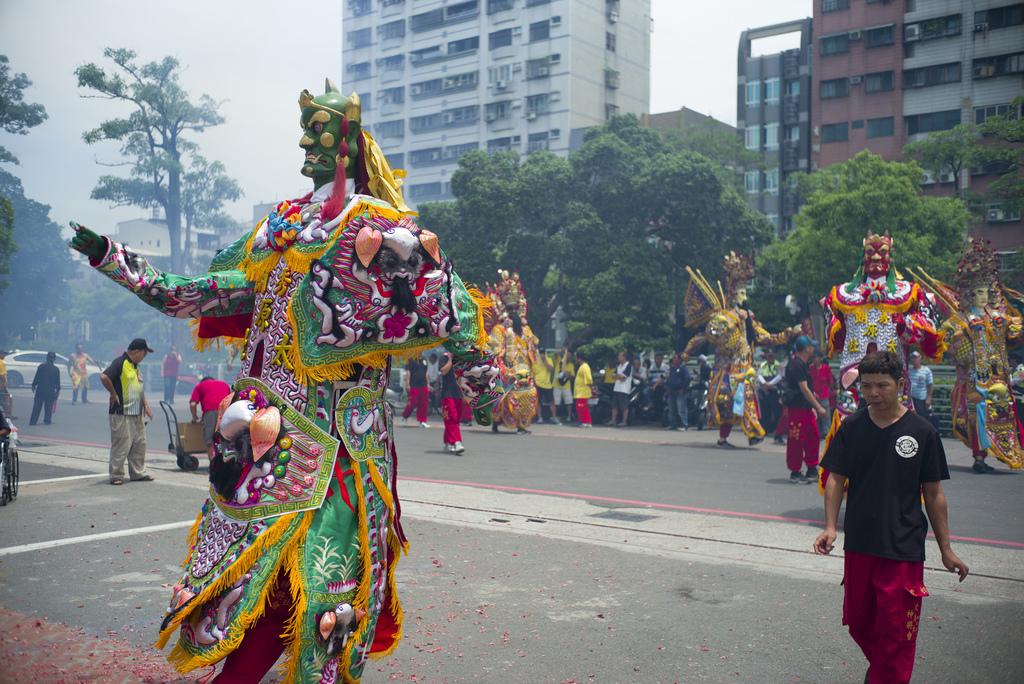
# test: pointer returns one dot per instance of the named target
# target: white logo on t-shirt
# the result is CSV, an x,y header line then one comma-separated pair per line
x,y
906,446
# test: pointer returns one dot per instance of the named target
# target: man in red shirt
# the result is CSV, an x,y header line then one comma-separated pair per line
x,y
171,366
822,379
207,395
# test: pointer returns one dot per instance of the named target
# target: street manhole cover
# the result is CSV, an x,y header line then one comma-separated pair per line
x,y
625,517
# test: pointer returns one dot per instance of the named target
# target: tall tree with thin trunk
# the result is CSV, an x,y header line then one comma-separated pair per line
x,y
153,136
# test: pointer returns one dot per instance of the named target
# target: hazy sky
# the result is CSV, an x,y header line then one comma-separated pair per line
x,y
255,57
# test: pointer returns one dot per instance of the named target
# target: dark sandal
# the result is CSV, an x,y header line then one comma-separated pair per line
x,y
145,478
117,482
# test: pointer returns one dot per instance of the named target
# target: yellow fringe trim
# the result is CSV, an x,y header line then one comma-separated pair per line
x,y
836,420
362,599
482,302
902,307
184,661
292,635
203,344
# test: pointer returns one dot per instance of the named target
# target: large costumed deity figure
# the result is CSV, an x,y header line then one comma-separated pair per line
x,y
875,311
980,327
732,392
514,346
295,549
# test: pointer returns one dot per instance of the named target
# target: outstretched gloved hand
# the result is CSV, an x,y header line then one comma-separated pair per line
x,y
90,244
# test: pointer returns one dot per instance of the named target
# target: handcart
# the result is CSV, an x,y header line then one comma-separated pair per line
x,y
9,467
186,461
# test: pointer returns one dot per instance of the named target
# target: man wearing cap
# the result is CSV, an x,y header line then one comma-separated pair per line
x,y
45,387
127,406
802,444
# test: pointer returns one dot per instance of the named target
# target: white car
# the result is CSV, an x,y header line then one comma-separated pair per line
x,y
22,365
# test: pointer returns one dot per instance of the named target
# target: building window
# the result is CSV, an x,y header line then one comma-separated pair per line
x,y
389,3
465,45
774,219
1007,110
359,7
392,29
537,141
425,89
880,82
531,3
793,88
425,55
610,110
836,87
879,37
540,30
359,71
750,181
1001,17
771,181
880,128
839,132
752,138
834,45
537,68
456,151
390,129
931,75
1001,65
771,135
393,96
933,121
793,133
753,94
609,42
421,190
502,74
498,5
461,116
502,144
393,63
498,110
833,5
428,122
396,159
939,27
464,81
537,104
612,78
360,38
771,90
499,39
426,20
425,157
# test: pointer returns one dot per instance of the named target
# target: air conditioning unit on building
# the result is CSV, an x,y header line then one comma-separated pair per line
x,y
856,35
994,215
554,133
516,139
446,117
490,116
530,116
542,71
501,85
613,16
911,33
854,80
947,177
981,27
556,21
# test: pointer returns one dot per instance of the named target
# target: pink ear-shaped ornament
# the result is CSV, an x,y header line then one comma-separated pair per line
x,y
368,241
263,431
327,624
429,242
850,377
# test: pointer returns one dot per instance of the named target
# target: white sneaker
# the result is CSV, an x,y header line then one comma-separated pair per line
x,y
405,422
450,448
459,448
423,424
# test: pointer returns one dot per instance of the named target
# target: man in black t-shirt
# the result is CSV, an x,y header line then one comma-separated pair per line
x,y
802,443
890,456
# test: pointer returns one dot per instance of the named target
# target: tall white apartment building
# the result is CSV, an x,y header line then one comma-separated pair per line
x,y
438,78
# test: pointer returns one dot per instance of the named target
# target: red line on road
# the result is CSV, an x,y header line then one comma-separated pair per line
x,y
692,509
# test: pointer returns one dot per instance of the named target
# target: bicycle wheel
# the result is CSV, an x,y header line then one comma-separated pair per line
x,y
13,468
3,479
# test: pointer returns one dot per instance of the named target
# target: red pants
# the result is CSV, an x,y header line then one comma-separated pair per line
x,y
802,444
262,644
583,411
450,409
724,430
783,425
882,607
419,398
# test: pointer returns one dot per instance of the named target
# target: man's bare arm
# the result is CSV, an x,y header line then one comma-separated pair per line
x,y
809,395
833,500
935,507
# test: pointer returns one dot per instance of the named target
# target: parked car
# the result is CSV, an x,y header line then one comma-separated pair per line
x,y
22,365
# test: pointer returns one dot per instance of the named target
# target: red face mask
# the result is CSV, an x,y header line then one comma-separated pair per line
x,y
877,256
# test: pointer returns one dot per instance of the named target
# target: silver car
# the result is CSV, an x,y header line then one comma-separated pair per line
x,y
22,365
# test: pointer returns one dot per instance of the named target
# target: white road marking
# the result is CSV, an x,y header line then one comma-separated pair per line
x,y
25,548
23,483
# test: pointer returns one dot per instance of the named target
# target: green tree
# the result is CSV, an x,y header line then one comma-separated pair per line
x,y
843,202
35,289
153,136
16,115
952,151
205,187
719,143
1002,143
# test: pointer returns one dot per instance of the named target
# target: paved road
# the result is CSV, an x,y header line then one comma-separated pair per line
x,y
549,566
